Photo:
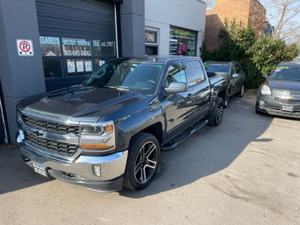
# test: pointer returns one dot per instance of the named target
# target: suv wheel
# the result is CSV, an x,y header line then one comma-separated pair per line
x,y
241,92
215,116
142,161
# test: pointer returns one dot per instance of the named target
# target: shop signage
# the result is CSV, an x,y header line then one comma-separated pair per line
x,y
25,47
76,47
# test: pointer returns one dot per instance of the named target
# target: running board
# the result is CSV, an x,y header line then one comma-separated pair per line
x,y
184,135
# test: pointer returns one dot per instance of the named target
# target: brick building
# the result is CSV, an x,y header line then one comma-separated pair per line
x,y
249,12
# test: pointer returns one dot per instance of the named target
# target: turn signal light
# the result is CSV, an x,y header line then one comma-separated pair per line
x,y
96,146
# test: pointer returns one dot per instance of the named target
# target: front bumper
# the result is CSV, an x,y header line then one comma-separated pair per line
x,y
267,104
80,171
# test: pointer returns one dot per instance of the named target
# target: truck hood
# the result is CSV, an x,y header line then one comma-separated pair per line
x,y
83,103
284,85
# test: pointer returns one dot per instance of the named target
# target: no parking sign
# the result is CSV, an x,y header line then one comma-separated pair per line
x,y
24,47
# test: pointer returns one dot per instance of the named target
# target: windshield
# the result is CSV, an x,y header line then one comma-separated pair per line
x,y
217,68
140,77
286,73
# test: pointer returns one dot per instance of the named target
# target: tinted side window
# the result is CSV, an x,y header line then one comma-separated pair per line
x,y
233,69
176,73
194,72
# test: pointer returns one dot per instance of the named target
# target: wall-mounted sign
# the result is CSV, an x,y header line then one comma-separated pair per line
x,y
76,47
25,47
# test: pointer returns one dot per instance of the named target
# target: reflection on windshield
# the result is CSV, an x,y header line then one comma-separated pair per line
x,y
127,76
217,68
286,73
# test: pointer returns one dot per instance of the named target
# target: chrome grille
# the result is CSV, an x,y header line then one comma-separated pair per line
x,y
287,101
50,126
60,147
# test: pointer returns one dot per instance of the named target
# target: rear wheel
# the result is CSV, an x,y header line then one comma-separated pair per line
x,y
215,116
142,161
242,91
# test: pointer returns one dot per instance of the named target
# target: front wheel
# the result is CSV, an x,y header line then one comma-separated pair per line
x,y
215,116
142,161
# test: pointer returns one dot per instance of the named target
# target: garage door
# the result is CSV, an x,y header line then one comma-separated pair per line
x,y
76,36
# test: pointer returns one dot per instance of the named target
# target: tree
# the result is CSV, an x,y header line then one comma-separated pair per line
x,y
266,53
284,17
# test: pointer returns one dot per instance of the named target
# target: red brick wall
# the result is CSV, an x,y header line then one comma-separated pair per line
x,y
247,11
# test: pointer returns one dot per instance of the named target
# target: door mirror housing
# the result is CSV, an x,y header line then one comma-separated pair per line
x,y
175,87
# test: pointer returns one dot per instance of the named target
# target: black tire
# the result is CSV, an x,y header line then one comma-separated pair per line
x,y
142,162
226,100
242,91
215,116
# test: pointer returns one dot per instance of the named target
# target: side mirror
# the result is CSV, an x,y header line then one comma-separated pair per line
x,y
175,87
235,75
265,75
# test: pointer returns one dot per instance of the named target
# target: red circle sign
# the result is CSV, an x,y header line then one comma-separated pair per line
x,y
24,46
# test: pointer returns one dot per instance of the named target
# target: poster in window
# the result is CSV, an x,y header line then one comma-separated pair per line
x,y
71,66
150,36
88,66
79,66
101,62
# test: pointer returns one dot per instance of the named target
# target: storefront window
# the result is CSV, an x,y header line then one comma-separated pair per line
x,y
182,41
73,56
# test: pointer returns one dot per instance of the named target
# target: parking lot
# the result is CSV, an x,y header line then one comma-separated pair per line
x,y
246,171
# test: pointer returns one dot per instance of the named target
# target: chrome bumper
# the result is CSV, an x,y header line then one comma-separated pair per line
x,y
81,171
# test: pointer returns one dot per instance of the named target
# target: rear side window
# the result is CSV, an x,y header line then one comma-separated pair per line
x,y
194,72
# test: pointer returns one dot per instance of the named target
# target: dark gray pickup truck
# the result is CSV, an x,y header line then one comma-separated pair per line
x,y
108,132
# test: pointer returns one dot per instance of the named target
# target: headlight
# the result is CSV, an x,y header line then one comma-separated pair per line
x,y
99,136
265,90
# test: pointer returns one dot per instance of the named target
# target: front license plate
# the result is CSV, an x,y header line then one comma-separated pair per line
x,y
40,170
287,108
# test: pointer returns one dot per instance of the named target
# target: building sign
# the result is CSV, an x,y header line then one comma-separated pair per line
x,y
182,42
25,47
76,47
150,37
50,46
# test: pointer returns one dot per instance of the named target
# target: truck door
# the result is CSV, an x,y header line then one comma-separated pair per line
x,y
199,88
178,106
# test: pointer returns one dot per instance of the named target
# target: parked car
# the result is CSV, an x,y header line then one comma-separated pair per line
x,y
108,132
280,94
236,74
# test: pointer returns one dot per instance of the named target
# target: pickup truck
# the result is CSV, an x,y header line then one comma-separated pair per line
x,y
108,132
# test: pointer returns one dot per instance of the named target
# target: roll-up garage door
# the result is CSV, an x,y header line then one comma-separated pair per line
x,y
76,37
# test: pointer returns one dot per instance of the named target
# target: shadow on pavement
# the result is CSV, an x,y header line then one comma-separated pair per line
x,y
209,150
14,173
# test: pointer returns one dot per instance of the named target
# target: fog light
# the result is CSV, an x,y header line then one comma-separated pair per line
x,y
97,170
262,103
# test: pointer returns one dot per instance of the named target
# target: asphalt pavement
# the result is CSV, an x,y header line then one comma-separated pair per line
x,y
245,171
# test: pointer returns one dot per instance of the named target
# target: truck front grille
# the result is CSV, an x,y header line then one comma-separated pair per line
x,y
59,147
50,126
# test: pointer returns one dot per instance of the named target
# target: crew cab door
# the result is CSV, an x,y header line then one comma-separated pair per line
x,y
199,88
184,108
178,106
